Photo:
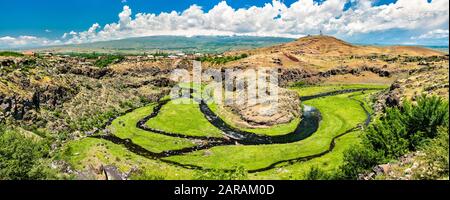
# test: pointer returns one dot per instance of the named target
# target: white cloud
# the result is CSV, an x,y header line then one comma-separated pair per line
x,y
434,34
276,19
26,41
404,14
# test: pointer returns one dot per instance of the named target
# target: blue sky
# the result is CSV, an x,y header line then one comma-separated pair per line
x,y
49,19
31,17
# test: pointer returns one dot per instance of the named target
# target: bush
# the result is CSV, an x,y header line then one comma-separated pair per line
x,y
107,60
425,118
403,130
299,84
10,53
21,158
222,60
398,132
388,136
359,160
316,173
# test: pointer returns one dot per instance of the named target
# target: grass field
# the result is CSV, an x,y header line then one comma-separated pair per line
x,y
125,127
327,163
339,114
187,119
91,152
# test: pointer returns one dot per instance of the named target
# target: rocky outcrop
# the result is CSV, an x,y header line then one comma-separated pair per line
x,y
93,72
425,81
408,167
261,110
289,75
48,96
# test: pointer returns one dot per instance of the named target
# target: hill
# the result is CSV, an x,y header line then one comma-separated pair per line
x,y
326,52
202,44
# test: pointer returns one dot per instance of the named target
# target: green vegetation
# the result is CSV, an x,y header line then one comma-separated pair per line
x,y
104,61
10,53
95,152
398,132
313,90
183,117
88,123
403,130
125,127
435,157
339,114
326,165
23,157
160,53
92,55
237,173
216,60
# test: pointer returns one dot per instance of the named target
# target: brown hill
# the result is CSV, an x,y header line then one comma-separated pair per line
x,y
331,46
325,52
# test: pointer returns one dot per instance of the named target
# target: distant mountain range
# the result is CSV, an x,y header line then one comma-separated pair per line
x,y
201,44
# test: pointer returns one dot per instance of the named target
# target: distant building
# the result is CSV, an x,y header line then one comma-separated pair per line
x,y
28,53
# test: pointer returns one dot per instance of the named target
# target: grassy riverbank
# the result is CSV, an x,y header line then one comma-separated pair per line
x,y
339,114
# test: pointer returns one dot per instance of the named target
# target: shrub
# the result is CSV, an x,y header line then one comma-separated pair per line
x,y
388,136
299,84
316,173
107,60
358,160
222,60
425,117
21,158
403,130
398,132
10,53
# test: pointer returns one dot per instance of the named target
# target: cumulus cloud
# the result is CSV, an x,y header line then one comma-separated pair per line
x,y
276,19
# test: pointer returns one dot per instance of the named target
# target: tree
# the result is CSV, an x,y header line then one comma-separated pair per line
x,y
21,157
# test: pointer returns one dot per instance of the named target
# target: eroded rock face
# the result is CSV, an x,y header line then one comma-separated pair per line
x,y
264,110
270,113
